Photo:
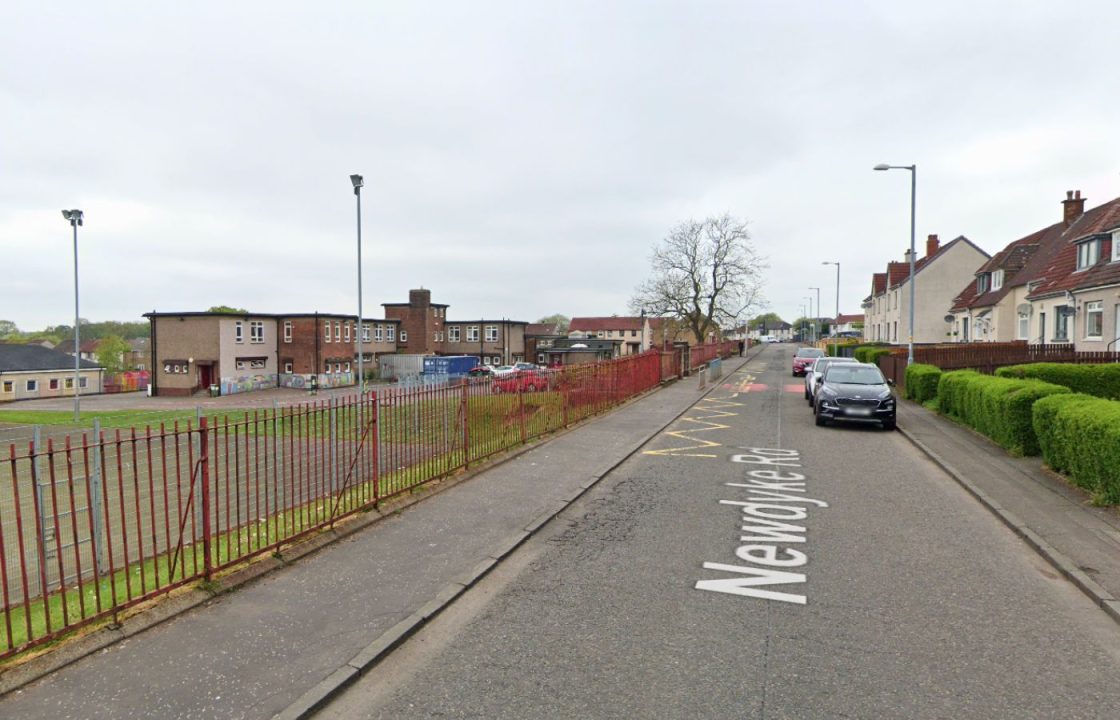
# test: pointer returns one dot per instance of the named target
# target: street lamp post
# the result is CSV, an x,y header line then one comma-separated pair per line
x,y
356,181
74,217
816,320
913,201
836,320
810,318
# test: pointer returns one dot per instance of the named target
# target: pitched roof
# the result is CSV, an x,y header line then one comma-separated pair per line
x,y
878,283
67,346
542,329
899,272
1059,273
842,319
15,358
594,324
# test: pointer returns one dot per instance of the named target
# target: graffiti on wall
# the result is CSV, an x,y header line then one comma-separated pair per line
x,y
303,382
247,383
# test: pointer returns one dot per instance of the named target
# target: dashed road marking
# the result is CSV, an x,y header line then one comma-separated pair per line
x,y
706,412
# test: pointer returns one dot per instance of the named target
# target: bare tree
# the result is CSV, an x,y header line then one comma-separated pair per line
x,y
705,274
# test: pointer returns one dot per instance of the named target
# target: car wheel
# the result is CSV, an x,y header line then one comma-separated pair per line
x,y
821,422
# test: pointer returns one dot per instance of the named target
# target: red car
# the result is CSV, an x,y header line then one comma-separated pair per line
x,y
804,359
521,381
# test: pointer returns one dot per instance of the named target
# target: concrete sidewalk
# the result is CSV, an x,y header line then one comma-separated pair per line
x,y
285,642
1081,541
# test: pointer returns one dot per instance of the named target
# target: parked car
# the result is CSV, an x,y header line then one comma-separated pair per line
x,y
804,358
525,366
500,370
815,370
855,392
522,381
480,371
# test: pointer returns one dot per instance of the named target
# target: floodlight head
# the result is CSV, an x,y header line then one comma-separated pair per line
x,y
73,216
882,166
356,180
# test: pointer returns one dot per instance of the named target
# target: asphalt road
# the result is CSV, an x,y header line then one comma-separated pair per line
x,y
876,588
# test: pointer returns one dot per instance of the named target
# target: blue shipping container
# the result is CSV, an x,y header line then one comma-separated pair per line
x,y
449,364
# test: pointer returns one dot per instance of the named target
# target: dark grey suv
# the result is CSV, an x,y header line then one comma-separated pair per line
x,y
854,392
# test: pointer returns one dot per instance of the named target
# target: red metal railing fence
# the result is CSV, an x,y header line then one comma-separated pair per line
x,y
100,522
987,357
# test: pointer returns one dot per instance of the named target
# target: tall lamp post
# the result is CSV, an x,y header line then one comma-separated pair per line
x,y
74,217
913,199
809,298
836,320
816,320
356,181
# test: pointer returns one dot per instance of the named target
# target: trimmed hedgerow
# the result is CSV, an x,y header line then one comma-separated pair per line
x,y
995,406
870,353
1080,437
921,382
1101,381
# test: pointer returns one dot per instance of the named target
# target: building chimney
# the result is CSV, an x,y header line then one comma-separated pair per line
x,y
932,244
906,256
420,298
1073,207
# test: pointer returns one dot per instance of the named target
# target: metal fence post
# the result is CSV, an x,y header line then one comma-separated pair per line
x,y
332,462
95,502
40,512
278,455
204,463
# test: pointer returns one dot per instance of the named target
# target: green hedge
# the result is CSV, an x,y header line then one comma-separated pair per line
x,y
1099,380
921,382
1080,436
998,407
836,349
870,353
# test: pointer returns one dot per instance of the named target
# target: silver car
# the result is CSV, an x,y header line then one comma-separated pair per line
x,y
816,370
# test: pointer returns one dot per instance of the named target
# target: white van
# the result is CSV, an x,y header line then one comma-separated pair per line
x,y
769,339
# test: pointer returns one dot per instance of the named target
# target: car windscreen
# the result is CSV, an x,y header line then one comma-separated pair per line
x,y
853,375
810,352
822,363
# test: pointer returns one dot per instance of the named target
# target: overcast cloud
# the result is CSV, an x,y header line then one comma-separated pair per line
x,y
522,158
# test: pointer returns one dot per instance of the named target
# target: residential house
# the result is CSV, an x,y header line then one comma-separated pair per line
x,y
782,330
31,371
1075,296
845,324
993,306
139,355
634,332
938,278
89,349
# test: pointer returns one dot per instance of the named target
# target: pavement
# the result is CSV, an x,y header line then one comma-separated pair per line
x,y
286,643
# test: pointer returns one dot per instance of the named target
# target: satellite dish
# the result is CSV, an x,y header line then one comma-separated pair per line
x,y
950,318
1023,308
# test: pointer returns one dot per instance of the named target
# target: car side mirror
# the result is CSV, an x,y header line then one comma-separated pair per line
x,y
890,381
820,381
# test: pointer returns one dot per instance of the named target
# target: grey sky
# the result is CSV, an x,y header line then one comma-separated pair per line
x,y
521,158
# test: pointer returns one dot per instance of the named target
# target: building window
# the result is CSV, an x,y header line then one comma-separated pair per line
x,y
982,283
377,333
1094,320
287,331
347,367
53,385
390,333
327,331
338,368
82,382
1024,326
997,279
491,333
238,332
288,368
453,333
497,360
346,333
256,331
1088,253
404,336
327,369
338,331
70,383
472,333
32,385
1115,245
541,358
365,333
9,386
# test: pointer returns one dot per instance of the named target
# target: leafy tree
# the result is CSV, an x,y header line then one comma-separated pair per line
x,y
704,274
227,309
110,353
771,319
563,321
8,330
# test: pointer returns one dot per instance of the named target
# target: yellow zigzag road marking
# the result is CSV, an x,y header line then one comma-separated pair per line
x,y
686,435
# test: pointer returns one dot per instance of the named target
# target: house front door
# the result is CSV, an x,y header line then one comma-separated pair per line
x,y
205,376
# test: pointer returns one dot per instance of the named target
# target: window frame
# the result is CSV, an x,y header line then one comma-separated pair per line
x,y
472,333
1024,326
1096,307
31,385
404,336
238,332
491,333
1116,245
390,333
453,333
326,331
997,279
256,331
1085,251
287,331
377,333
